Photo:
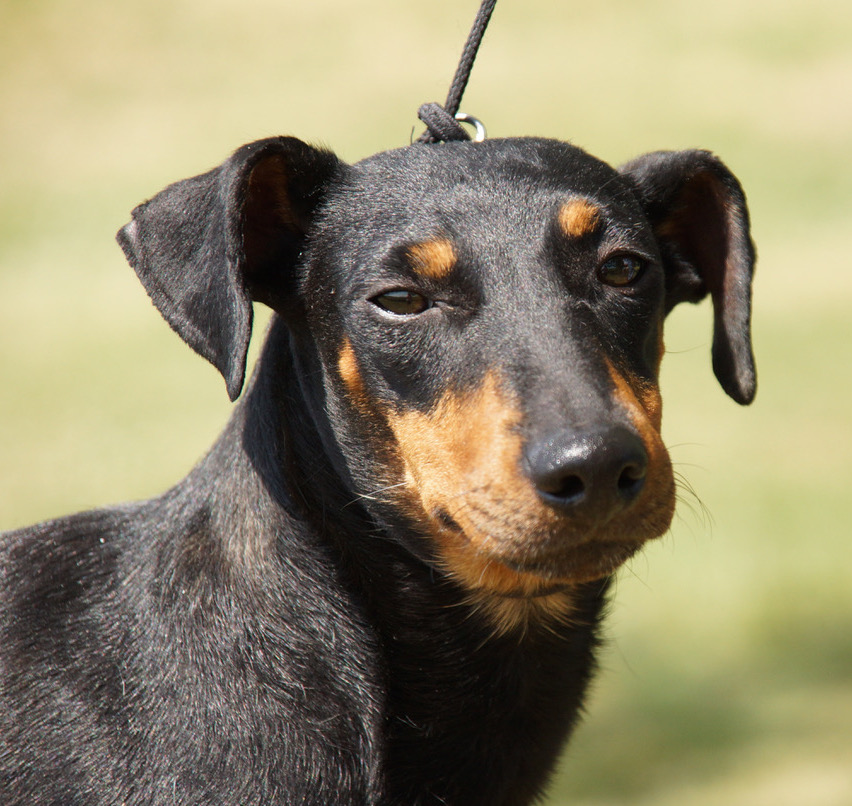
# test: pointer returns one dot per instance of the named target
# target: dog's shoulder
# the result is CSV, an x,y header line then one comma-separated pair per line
x,y
138,634
66,565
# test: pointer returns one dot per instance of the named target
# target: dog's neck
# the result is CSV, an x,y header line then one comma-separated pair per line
x,y
287,445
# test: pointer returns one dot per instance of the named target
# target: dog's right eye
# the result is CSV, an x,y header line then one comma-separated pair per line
x,y
402,302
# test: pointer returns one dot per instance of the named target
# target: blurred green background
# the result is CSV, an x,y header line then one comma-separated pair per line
x,y
728,674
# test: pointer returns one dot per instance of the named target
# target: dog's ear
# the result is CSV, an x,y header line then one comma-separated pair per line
x,y
205,247
699,215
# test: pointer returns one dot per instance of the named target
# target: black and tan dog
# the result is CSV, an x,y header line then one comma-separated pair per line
x,y
383,583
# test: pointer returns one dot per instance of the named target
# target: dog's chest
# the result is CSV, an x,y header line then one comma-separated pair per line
x,y
480,720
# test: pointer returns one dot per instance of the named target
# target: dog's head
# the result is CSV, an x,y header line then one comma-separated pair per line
x,y
484,326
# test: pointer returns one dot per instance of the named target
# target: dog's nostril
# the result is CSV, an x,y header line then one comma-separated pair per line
x,y
569,488
632,480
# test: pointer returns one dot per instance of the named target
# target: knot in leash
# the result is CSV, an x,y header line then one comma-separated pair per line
x,y
442,127
443,122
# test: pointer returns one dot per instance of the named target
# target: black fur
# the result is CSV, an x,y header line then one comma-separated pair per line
x,y
281,627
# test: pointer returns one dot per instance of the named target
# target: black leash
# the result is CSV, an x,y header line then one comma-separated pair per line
x,y
442,122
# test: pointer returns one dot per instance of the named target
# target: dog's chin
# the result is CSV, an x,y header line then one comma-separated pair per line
x,y
518,593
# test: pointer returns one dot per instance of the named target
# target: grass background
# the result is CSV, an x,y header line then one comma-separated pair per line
x,y
728,675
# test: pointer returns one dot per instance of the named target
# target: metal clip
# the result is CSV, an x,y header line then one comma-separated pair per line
x,y
481,134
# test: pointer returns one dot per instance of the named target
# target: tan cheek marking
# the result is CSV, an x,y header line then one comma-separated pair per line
x,y
648,395
433,259
446,450
463,452
579,218
661,347
643,403
350,373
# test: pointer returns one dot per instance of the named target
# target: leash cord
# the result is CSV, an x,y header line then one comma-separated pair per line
x,y
441,123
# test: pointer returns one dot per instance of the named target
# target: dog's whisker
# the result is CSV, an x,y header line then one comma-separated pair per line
x,y
374,495
687,496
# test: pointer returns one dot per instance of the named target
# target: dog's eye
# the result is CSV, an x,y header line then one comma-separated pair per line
x,y
402,302
620,270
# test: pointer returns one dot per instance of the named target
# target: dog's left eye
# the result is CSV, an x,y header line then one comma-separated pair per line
x,y
620,270
402,302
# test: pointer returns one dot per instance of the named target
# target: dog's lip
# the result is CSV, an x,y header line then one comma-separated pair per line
x,y
554,566
588,562
607,556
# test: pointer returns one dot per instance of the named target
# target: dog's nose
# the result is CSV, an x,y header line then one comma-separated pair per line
x,y
598,471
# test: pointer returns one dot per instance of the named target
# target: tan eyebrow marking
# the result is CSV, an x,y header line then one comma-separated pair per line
x,y
433,259
579,218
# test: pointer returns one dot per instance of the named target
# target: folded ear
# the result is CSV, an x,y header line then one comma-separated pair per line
x,y
699,215
205,247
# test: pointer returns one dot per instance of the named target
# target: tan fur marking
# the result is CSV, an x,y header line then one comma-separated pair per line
x,y
579,218
461,478
643,403
350,373
462,460
433,259
633,392
466,445
518,614
661,347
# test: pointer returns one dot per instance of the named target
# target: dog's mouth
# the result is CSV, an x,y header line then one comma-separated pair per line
x,y
446,521
575,565
537,566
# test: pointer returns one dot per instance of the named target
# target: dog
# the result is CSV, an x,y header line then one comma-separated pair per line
x,y
385,581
